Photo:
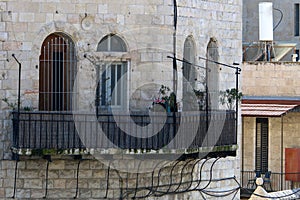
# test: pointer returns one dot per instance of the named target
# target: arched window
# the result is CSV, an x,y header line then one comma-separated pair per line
x,y
189,56
212,74
112,85
188,71
111,43
57,73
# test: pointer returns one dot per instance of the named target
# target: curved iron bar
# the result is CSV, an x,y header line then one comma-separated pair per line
x,y
190,190
210,173
192,171
15,179
48,158
162,193
210,180
107,181
77,179
200,179
171,174
227,193
120,182
181,176
151,190
152,181
137,181
158,176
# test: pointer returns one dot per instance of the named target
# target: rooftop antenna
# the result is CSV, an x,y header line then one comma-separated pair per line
x,y
266,28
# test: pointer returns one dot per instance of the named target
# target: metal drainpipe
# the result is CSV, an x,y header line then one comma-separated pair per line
x,y
16,156
175,76
174,49
281,178
243,151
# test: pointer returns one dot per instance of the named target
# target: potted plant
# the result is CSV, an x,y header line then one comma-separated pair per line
x,y
229,96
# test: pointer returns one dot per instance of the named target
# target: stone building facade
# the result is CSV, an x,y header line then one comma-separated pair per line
x,y
272,99
139,37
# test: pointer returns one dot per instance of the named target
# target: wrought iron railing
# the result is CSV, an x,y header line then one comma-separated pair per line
x,y
180,130
277,180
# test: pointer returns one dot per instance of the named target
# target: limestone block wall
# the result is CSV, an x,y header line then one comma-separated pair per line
x,y
271,79
286,128
31,182
146,26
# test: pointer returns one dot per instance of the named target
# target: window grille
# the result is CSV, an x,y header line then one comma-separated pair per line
x,y
57,73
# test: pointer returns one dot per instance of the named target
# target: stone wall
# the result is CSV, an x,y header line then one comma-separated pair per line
x,y
146,26
288,125
271,79
31,182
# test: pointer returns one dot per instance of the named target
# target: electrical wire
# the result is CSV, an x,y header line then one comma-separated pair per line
x,y
280,20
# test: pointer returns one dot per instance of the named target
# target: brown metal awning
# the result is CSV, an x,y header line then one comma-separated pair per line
x,y
270,110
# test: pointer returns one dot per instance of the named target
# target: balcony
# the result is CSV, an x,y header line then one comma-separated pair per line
x,y
277,182
181,132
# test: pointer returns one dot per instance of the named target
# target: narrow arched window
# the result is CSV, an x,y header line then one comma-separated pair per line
x,y
212,74
57,73
112,85
188,71
189,57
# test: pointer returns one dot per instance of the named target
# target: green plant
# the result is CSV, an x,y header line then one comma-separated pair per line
x,y
11,105
167,99
229,97
200,98
14,105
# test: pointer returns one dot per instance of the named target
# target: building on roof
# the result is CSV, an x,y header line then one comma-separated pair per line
x,y
284,31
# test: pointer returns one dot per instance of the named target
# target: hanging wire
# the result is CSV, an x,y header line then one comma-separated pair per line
x,y
280,20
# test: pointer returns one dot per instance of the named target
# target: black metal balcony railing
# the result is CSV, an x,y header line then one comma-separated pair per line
x,y
65,130
277,181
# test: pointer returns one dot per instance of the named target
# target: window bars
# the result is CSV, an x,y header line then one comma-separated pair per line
x,y
57,73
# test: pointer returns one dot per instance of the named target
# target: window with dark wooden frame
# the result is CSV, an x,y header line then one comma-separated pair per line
x,y
262,145
57,72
